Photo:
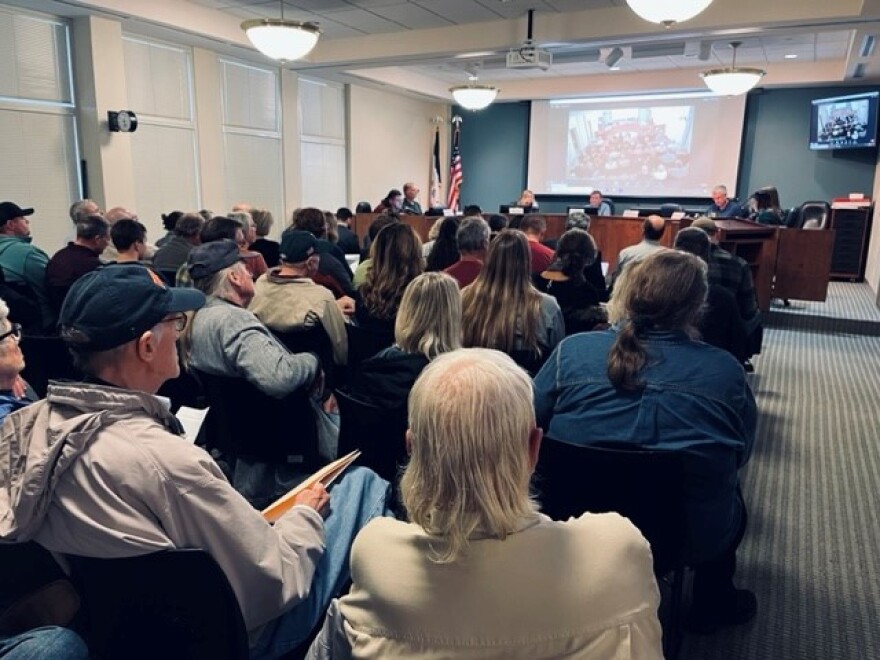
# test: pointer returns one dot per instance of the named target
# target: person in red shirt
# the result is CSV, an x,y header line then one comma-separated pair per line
x,y
534,226
473,242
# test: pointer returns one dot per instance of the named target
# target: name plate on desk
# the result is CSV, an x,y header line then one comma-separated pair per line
x,y
516,210
631,213
678,215
447,213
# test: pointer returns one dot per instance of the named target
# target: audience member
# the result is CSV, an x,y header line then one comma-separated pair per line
x,y
378,224
497,222
106,473
724,207
734,274
332,225
652,232
444,251
471,210
253,261
130,240
395,261
392,203
79,257
534,227
479,572
14,393
263,221
645,382
172,255
410,202
348,241
428,324
169,221
79,211
720,324
565,281
504,311
332,262
593,271
433,233
24,264
286,298
113,216
472,239
226,339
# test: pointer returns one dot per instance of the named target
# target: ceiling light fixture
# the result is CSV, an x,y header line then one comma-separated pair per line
x,y
281,39
473,96
732,80
668,12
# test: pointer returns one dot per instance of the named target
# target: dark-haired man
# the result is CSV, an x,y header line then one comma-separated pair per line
x,y
348,241
129,237
24,264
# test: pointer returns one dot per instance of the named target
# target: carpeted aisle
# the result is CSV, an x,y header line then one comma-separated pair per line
x,y
812,550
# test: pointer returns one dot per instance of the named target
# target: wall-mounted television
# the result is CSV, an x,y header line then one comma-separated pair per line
x,y
844,122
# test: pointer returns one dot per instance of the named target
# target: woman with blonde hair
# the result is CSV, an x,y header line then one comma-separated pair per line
x,y
501,309
428,324
395,261
648,382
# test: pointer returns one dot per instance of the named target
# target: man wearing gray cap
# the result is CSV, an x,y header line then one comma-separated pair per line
x,y
103,468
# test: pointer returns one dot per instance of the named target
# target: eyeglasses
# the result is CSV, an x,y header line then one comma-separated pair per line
x,y
179,321
15,332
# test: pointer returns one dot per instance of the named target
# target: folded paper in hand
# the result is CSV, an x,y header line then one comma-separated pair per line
x,y
326,475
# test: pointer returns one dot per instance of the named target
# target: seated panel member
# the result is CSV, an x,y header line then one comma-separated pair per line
x,y
479,572
646,383
106,472
724,207
602,207
410,202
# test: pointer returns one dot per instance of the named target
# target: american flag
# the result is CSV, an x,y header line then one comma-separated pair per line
x,y
455,177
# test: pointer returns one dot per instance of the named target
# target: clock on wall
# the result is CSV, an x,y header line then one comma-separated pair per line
x,y
124,121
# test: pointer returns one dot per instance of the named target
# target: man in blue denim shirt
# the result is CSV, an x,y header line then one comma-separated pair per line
x,y
671,392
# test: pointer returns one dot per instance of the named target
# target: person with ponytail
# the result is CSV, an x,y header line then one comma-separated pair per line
x,y
649,382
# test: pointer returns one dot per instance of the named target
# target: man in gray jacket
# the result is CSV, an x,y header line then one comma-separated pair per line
x,y
101,468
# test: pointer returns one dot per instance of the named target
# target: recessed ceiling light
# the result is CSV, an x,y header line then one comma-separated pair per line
x,y
791,56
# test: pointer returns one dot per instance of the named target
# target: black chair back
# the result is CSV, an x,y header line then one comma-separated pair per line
x,y
646,486
243,422
666,210
364,343
34,590
814,215
379,432
793,217
168,604
313,339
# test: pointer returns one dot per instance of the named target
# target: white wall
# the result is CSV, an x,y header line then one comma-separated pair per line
x,y
390,142
872,269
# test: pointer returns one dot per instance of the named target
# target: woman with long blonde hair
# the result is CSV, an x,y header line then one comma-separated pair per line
x,y
501,309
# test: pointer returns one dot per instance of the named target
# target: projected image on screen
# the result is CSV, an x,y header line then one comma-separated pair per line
x,y
664,146
608,149
842,123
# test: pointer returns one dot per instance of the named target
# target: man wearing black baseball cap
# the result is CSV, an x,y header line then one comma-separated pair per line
x,y
106,471
24,264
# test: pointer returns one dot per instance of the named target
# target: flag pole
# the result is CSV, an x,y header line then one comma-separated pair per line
x,y
435,188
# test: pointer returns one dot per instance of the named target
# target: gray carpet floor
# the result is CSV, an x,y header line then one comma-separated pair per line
x,y
812,549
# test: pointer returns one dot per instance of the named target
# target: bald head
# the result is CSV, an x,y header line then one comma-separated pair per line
x,y
118,213
653,227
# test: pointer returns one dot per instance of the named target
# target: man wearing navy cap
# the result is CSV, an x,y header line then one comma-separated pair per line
x,y
24,264
105,471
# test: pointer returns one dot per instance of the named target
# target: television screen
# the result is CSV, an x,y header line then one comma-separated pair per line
x,y
844,122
